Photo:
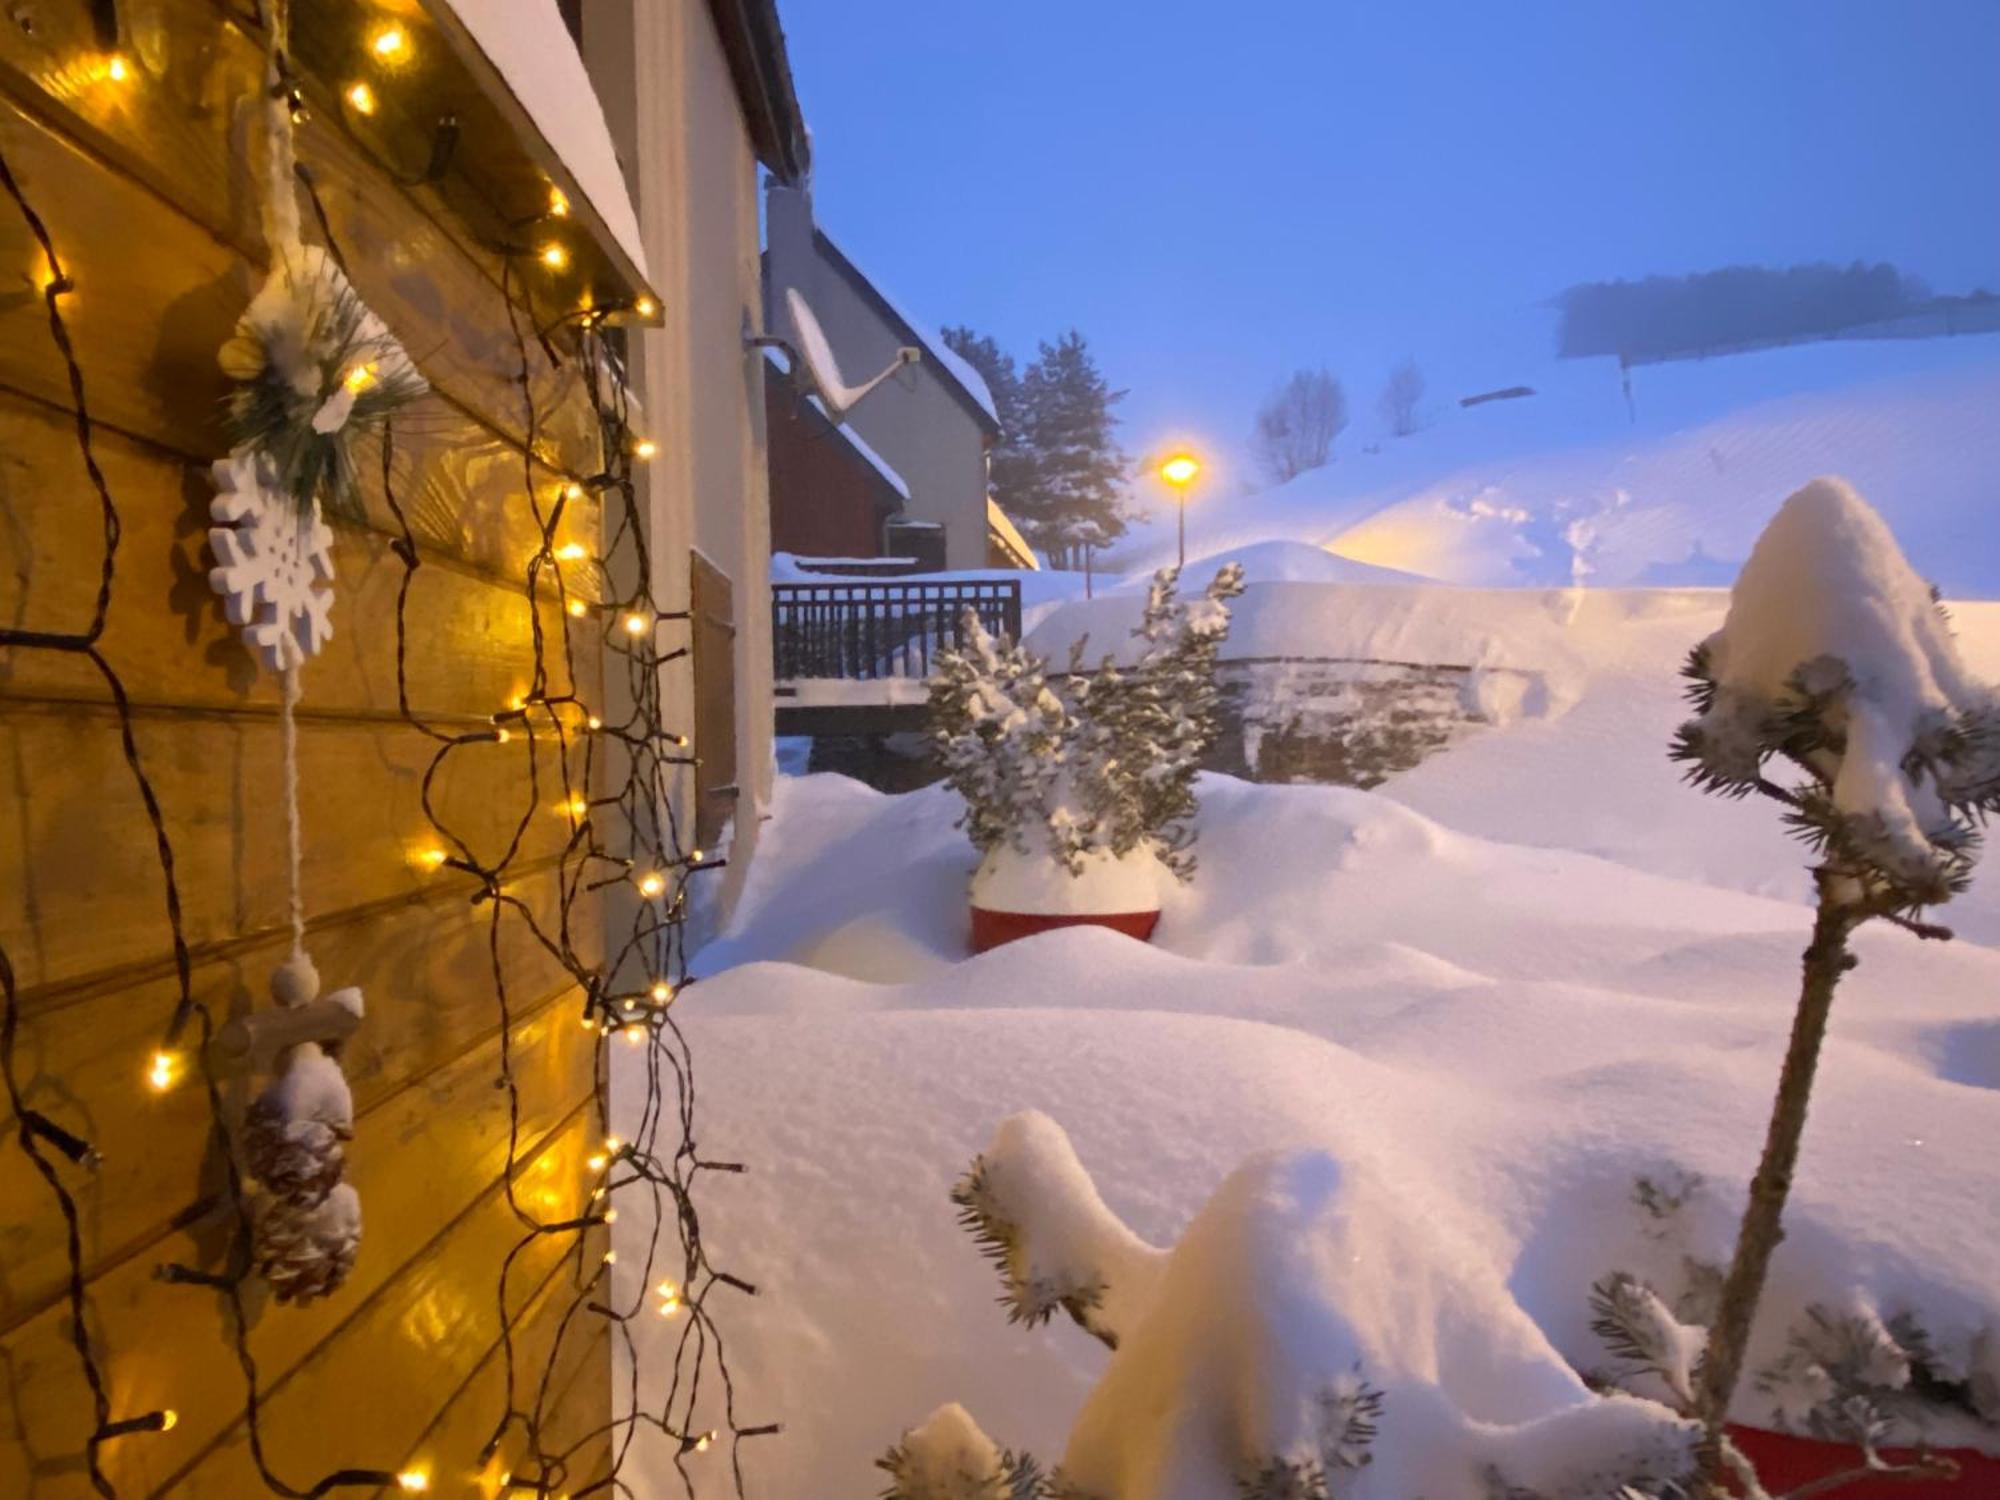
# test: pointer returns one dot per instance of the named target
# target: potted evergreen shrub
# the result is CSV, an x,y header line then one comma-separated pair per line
x,y
1079,787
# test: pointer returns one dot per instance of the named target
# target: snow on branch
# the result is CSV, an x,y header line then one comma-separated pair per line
x,y
1313,1335
947,1457
1037,1215
1836,656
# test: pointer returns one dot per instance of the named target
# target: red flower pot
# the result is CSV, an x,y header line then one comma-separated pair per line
x,y
992,928
1785,1461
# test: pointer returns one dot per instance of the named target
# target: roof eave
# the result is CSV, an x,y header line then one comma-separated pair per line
x,y
884,309
754,42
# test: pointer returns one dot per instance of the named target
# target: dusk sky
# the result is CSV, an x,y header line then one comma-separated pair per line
x,y
1215,194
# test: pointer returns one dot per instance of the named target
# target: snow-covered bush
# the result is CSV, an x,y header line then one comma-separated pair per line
x,y
1312,1336
1836,659
1846,1374
1086,765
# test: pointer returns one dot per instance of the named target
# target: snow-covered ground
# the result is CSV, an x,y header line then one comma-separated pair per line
x,y
1571,486
1496,992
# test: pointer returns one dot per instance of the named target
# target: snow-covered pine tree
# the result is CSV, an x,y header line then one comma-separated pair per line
x,y
1086,763
1149,727
1836,660
1079,468
1003,736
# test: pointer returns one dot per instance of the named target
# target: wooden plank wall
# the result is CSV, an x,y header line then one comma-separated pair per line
x,y
148,192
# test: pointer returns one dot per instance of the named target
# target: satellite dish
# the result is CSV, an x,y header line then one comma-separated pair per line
x,y
823,370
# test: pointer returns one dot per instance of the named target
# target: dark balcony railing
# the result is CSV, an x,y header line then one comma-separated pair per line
x,y
860,630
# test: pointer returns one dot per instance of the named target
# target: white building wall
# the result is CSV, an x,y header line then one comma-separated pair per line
x,y
666,88
913,420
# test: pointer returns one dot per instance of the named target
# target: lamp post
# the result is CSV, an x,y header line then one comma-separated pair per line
x,y
1179,472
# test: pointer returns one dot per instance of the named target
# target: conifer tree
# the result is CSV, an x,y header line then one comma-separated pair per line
x,y
1835,663
1079,467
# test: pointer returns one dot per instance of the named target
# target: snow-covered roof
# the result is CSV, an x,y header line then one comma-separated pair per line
x,y
537,59
956,372
855,441
776,359
997,520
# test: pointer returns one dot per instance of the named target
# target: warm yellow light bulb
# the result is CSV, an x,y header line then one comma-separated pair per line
x,y
701,1444
431,858
662,991
694,856
572,552
634,1035
596,1163
578,609
577,806
116,68
558,203
645,307
554,256
362,98
1180,470
652,883
572,491
671,1304
169,1419
360,378
501,736
645,448
164,1070
594,722
613,1144
413,1481
611,1216
635,624
610,1257
391,42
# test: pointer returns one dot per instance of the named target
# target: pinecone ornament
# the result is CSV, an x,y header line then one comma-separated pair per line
x,y
306,1253
294,1144
294,1138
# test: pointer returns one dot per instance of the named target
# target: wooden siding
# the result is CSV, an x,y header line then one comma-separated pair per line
x,y
826,499
148,191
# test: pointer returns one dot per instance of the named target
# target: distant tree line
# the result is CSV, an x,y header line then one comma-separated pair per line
x,y
1056,468
1665,315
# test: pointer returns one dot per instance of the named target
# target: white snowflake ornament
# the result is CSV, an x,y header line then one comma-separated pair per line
x,y
273,562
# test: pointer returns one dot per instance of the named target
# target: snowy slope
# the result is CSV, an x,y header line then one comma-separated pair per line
x,y
1494,993
1509,1036
1568,486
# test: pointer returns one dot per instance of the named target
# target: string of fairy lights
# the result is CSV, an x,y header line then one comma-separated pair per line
x,y
612,773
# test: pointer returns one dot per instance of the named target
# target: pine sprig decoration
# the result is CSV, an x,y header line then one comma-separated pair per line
x,y
314,368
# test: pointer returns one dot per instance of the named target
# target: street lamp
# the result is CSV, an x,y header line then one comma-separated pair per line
x,y
1179,472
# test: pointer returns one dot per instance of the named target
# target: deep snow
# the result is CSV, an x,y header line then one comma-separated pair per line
x,y
1491,995
1506,1037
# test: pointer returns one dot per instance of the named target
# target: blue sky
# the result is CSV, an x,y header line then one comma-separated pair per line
x,y
1217,193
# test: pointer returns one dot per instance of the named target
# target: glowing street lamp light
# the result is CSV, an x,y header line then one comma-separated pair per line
x,y
1179,471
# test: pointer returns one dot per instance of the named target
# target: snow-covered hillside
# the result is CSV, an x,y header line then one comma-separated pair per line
x,y
1571,486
